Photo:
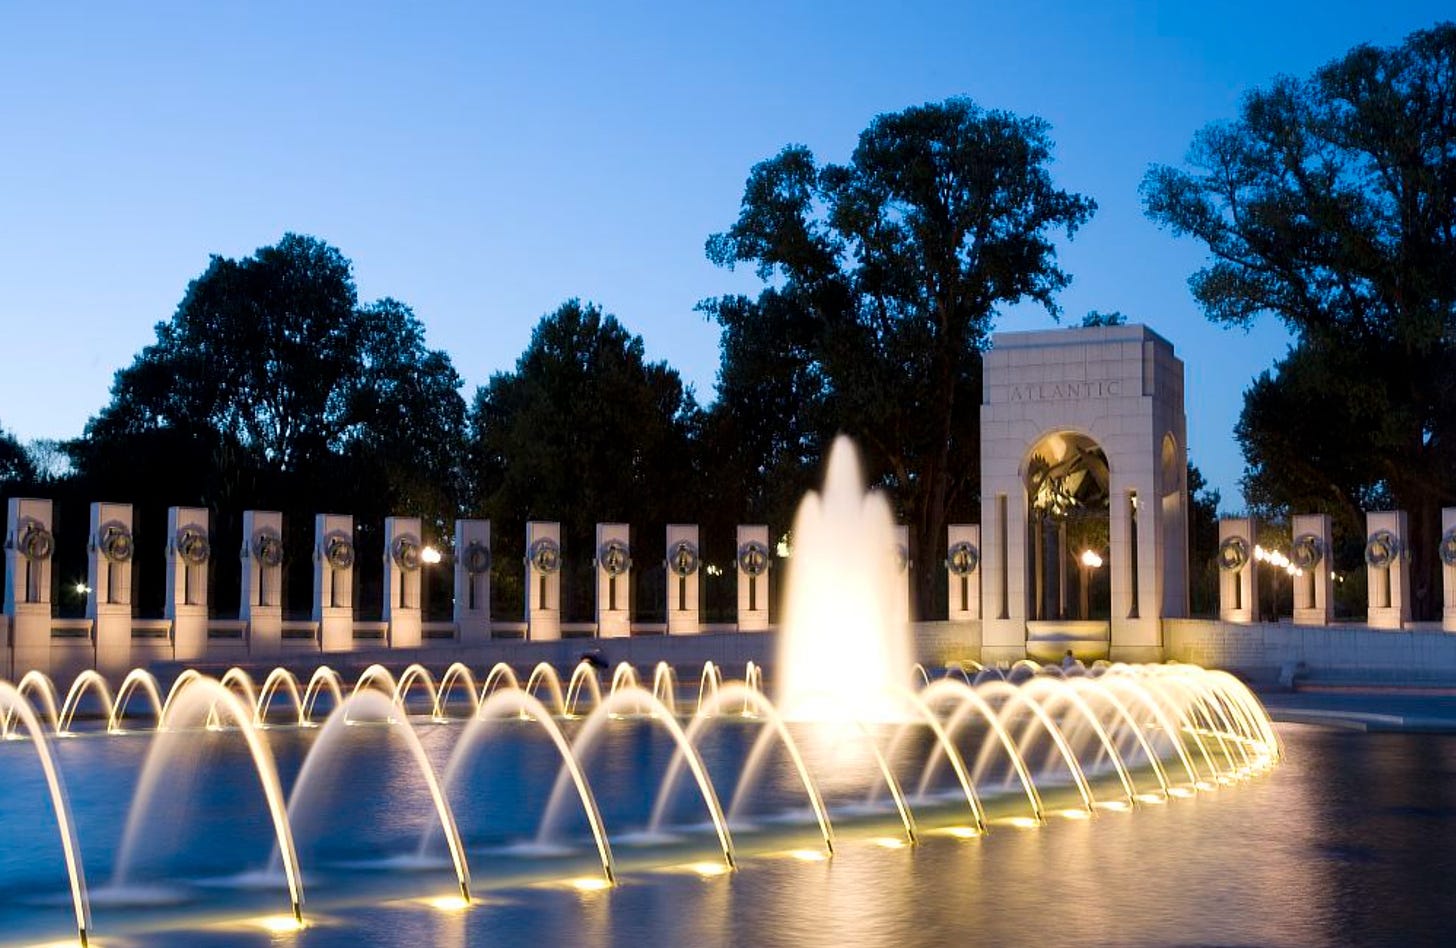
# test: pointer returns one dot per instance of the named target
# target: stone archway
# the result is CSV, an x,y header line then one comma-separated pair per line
x,y
1117,390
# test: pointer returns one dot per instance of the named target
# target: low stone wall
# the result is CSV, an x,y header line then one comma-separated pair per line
x,y
939,642
1263,649
935,644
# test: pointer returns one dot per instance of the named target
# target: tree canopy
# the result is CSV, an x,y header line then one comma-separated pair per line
x,y
272,387
271,369
883,279
585,430
16,466
1330,204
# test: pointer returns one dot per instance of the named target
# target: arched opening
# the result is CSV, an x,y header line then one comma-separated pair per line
x,y
1067,478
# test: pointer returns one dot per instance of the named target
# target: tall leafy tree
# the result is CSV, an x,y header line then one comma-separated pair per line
x,y
1330,204
585,429
271,366
884,277
272,386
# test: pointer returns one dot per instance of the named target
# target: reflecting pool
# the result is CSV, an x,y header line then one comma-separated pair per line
x,y
1350,841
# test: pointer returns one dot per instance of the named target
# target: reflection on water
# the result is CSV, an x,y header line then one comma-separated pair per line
x,y
1351,841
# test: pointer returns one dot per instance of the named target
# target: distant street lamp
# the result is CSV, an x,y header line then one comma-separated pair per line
x,y
429,556
1090,560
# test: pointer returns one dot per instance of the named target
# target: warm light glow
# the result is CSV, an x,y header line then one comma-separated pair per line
x,y
1277,560
279,924
1091,560
1179,792
82,589
1150,798
808,855
1071,814
430,556
962,832
590,884
1020,822
447,903
1119,806
707,869
784,548
889,842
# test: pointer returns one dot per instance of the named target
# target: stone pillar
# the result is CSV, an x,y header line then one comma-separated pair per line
x,y
1387,569
902,565
333,581
472,580
1134,559
1310,554
543,581
1003,565
108,573
262,583
613,564
752,563
963,561
402,580
29,543
684,562
1447,552
189,548
1238,599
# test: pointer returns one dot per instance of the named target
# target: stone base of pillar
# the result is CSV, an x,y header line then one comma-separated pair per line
x,y
406,629
1002,654
265,631
189,633
30,637
1312,616
336,630
1136,654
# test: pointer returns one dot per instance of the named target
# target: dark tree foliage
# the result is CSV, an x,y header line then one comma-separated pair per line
x,y
585,430
1096,318
16,467
271,387
885,276
1330,203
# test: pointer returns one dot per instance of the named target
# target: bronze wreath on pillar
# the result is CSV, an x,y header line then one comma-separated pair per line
x,y
753,558
682,559
192,546
268,547
114,542
615,557
36,543
962,558
1381,549
545,556
1233,554
405,551
339,551
1307,552
477,558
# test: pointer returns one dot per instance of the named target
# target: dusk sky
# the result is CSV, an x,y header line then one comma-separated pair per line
x,y
483,163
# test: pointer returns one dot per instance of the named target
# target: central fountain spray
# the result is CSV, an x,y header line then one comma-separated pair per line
x,y
844,653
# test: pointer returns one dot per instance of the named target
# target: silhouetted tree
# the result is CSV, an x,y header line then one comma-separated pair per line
x,y
1330,203
16,466
584,430
272,387
886,275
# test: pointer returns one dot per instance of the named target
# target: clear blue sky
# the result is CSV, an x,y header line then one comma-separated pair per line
x,y
484,162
